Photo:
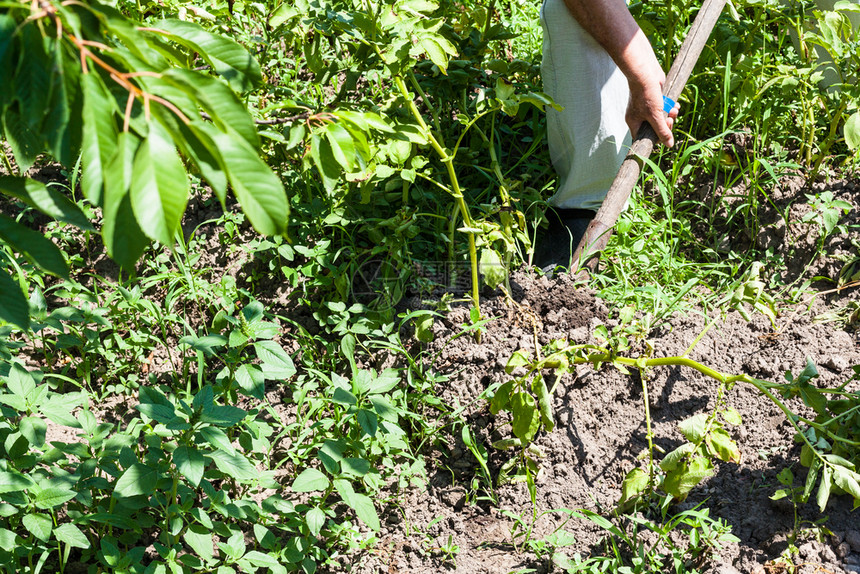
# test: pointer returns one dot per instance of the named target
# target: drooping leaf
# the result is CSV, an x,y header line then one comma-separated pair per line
x,y
13,304
852,131
235,465
46,199
226,56
35,246
122,236
693,428
315,519
159,186
258,189
526,419
98,145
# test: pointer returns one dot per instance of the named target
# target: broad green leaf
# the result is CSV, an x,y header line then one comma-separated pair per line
x,y
235,465
693,428
39,525
255,185
634,484
24,142
189,462
46,199
277,364
137,480
14,482
315,519
384,382
217,438
325,161
526,419
310,480
852,131
364,509
35,246
227,57
544,401
261,560
368,421
53,496
520,358
227,111
7,538
33,79
59,408
122,235
732,416
723,446
200,541
492,269
34,429
680,481
342,146
159,186
13,304
252,381
824,488
223,415
502,397
70,534
159,413
435,48
847,480
20,382
98,145
357,467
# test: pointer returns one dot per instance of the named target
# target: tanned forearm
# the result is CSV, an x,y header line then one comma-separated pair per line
x,y
610,23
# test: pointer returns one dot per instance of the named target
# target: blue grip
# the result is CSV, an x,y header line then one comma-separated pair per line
x,y
668,104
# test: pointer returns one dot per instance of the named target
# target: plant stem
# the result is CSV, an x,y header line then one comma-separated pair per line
x,y
6,161
455,191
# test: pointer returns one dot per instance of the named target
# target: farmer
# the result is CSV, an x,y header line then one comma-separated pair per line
x,y
599,66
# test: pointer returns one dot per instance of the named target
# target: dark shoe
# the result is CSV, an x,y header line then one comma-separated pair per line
x,y
556,245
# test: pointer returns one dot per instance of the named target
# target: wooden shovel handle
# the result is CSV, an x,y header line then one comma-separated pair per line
x,y
600,229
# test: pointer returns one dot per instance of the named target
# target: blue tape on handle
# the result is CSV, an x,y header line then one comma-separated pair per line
x,y
668,104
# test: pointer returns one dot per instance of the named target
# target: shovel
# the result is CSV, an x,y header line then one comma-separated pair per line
x,y
600,229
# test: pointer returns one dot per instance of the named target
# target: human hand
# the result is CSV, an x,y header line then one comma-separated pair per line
x,y
646,79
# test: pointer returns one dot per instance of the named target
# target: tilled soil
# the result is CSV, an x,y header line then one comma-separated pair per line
x,y
600,432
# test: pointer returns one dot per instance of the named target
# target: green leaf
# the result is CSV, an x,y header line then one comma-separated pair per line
x,y
137,480
386,381
342,146
520,358
852,132
364,509
492,269
261,560
693,428
159,413
315,519
310,480
217,438
368,421
14,308
680,481
7,538
14,482
35,246
223,415
356,467
277,364
250,378
122,235
235,465
723,446
544,401
189,462
54,496
70,534
634,484
526,419
200,541
159,186
847,481
39,525
227,57
99,137
34,429
46,199
255,185
20,381
24,142
824,488
732,416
